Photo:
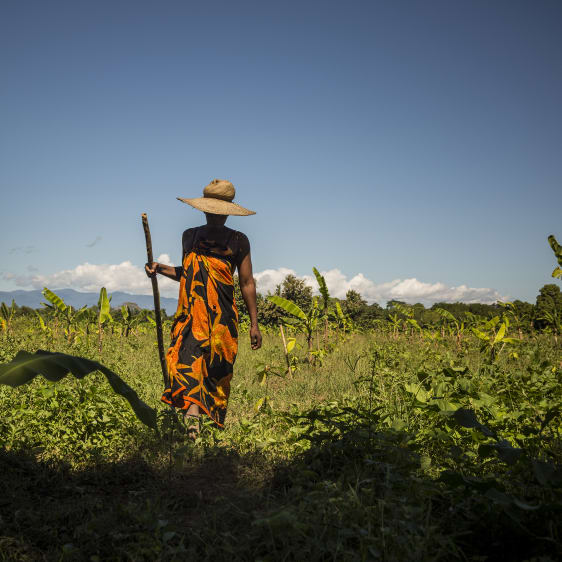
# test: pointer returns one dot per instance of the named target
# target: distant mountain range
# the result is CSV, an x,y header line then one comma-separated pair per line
x,y
33,299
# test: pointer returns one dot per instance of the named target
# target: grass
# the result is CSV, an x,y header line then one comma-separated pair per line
x,y
341,464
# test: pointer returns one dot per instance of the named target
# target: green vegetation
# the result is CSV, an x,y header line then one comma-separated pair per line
x,y
402,433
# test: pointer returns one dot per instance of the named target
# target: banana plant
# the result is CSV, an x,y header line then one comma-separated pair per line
x,y
493,340
104,314
69,315
263,373
343,321
325,299
395,323
553,322
408,312
42,326
557,249
516,315
6,316
456,325
131,321
303,322
55,366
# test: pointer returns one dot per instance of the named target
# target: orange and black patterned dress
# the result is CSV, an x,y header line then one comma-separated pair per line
x,y
204,335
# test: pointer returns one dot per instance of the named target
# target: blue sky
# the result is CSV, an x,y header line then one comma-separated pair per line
x,y
401,140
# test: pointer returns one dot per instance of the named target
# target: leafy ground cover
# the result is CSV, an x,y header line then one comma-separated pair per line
x,y
382,448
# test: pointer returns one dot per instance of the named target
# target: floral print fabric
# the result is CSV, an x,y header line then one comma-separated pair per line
x,y
204,335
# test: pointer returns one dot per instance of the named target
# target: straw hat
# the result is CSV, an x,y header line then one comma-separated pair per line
x,y
217,199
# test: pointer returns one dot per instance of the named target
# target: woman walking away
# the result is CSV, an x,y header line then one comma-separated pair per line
x,y
204,335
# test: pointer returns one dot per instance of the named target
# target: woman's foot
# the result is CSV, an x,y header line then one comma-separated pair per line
x,y
191,419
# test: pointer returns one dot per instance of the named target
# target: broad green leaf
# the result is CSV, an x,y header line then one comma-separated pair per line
x,y
556,248
41,321
105,307
339,311
505,451
557,273
54,299
4,311
404,309
510,340
323,287
258,405
262,376
82,313
414,323
446,314
491,323
500,334
467,418
55,366
480,335
287,306
291,342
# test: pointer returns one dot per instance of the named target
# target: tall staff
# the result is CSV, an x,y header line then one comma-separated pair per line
x,y
156,294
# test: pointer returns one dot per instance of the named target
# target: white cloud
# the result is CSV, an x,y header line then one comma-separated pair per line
x,y
408,290
89,277
132,279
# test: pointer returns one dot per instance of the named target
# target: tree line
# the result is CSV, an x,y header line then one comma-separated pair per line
x,y
539,316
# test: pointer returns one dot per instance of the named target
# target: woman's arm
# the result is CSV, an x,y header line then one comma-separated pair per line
x,y
166,270
248,289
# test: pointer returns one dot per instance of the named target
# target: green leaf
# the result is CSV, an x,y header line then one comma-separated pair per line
x,y
339,312
510,340
54,299
82,313
556,248
467,418
41,321
262,377
491,323
287,306
557,273
480,335
500,334
414,323
323,287
258,405
55,366
446,314
291,342
105,307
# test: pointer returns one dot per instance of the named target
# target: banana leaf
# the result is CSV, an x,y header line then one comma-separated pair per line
x,y
287,306
55,366
54,299
556,248
446,314
339,311
105,307
323,288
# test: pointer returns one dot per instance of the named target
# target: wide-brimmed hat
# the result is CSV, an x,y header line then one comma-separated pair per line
x,y
217,199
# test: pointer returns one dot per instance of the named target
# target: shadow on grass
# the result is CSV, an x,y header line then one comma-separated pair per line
x,y
355,494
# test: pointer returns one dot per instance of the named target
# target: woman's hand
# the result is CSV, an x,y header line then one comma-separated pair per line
x,y
255,337
151,269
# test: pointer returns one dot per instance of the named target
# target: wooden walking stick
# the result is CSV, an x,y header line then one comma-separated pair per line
x,y
156,301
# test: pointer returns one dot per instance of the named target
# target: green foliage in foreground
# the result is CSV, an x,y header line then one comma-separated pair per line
x,y
388,449
55,366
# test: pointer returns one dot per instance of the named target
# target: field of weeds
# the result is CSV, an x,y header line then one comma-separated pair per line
x,y
384,447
